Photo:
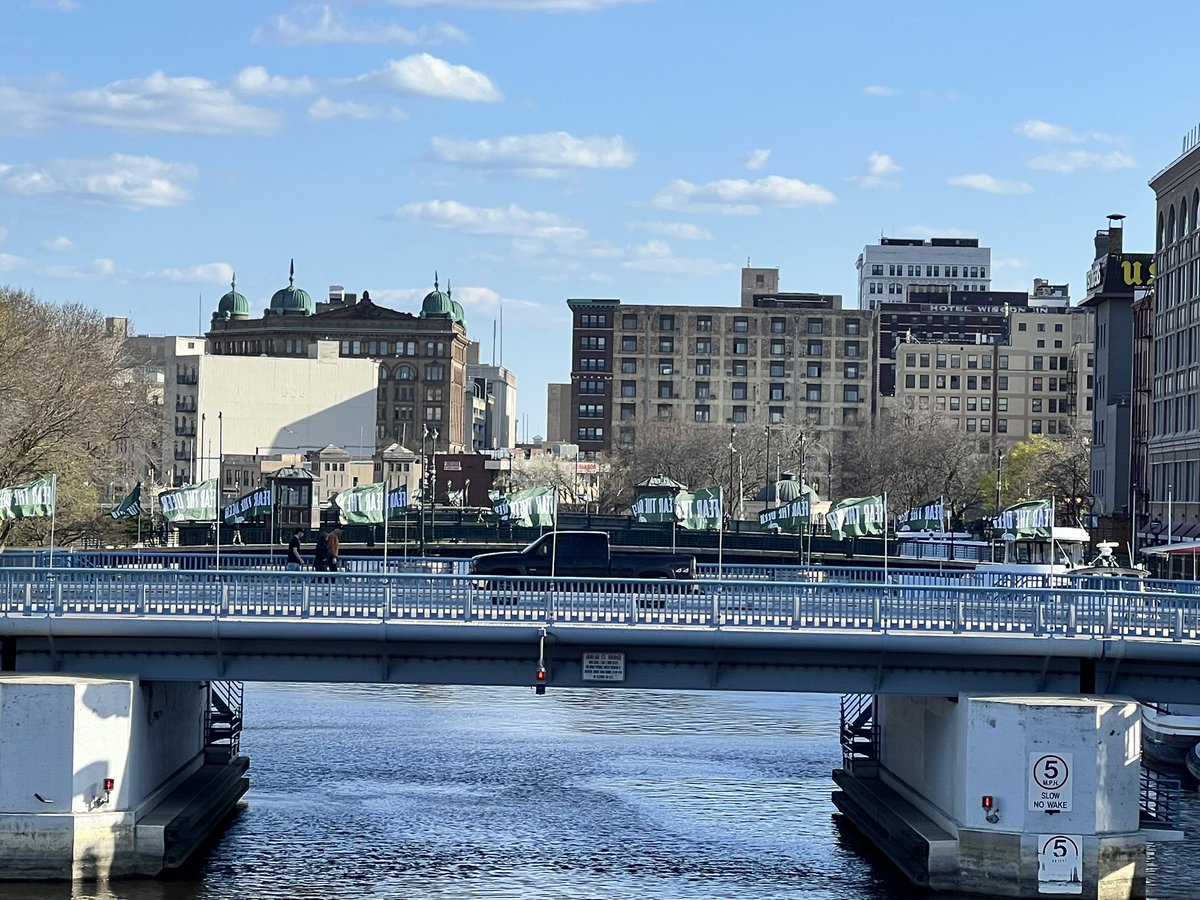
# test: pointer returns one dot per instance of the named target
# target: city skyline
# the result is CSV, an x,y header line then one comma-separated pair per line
x,y
535,150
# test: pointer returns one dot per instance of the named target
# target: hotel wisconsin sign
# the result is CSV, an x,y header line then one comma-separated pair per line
x,y
1120,274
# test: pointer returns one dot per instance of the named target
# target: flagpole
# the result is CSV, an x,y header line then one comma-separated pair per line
x,y
554,538
721,534
885,546
53,513
220,453
387,510
271,527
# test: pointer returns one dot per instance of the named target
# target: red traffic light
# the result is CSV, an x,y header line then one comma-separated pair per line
x,y
541,674
109,784
987,801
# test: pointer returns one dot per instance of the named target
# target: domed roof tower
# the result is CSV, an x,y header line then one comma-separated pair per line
x,y
437,304
233,305
456,310
291,300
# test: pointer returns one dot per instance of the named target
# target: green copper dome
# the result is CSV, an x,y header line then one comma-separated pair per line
x,y
291,300
456,313
233,305
437,304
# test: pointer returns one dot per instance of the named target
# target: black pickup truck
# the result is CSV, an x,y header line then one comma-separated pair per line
x,y
583,554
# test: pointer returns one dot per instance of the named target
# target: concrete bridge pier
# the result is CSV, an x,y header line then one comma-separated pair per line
x,y
1003,796
107,777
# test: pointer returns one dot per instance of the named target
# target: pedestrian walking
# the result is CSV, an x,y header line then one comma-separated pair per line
x,y
334,545
321,553
295,559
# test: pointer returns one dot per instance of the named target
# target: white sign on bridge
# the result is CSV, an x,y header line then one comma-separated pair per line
x,y
1060,864
1050,785
604,667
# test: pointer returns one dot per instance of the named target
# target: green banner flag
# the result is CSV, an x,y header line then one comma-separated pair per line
x,y
699,510
29,500
790,516
856,517
362,504
257,504
532,507
930,516
131,506
190,503
654,507
1031,519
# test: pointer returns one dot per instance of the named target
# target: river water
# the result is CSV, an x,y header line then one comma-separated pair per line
x,y
465,792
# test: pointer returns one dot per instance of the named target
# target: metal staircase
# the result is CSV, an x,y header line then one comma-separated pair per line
x,y
223,721
859,734
1160,797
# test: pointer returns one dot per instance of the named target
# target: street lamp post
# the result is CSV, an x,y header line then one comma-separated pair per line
x,y
767,466
732,482
999,475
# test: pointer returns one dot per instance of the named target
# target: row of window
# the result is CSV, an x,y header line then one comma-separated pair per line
x,y
954,382
898,270
896,289
400,348
704,323
433,372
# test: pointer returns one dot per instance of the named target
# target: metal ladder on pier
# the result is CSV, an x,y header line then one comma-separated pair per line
x,y
859,734
223,721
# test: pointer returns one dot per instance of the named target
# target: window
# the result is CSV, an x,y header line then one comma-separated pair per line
x,y
434,348
593,320
738,390
924,360
702,414
591,433
812,415
812,393
955,361
814,326
1001,404
877,269
940,360
970,424
852,326
406,348
985,383
776,392
741,346
775,415
910,359
629,321
924,382
704,367
814,348
1035,405
435,372
910,381
850,393
704,323
666,323
435,393
591,411
972,361
629,345
666,367
666,345
850,370
776,369
665,390
1035,426
955,382
1002,382
591,387
813,370
704,345
972,383
629,367
628,388
955,404
778,325
1021,326
971,404
1002,361
1041,344
853,349
628,412
741,323
1037,384
778,347
739,414
703,391
940,382
433,414
590,364
1002,426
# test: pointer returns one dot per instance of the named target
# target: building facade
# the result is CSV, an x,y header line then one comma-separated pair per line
x,y
1173,452
789,358
422,358
897,267
558,413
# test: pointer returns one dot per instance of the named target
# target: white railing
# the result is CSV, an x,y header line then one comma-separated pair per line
x,y
1107,610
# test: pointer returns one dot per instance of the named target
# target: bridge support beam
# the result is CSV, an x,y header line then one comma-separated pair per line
x,y
106,777
1005,796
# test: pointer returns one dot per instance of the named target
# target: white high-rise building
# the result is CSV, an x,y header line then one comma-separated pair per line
x,y
895,267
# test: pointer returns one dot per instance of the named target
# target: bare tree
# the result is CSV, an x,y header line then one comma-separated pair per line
x,y
71,399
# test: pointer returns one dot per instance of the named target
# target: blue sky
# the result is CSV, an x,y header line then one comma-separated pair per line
x,y
534,150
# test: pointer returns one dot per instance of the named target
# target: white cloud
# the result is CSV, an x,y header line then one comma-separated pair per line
x,y
205,273
56,5
1071,161
756,159
491,221
878,90
925,231
256,80
989,184
657,256
324,108
879,166
1010,262
158,102
8,262
325,27
683,231
97,268
134,182
538,154
424,75
1037,130
484,299
739,196
521,5
60,244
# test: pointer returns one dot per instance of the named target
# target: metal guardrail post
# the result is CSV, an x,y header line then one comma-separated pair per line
x,y
1178,635
877,613
960,616
305,602
1072,614
143,599
716,605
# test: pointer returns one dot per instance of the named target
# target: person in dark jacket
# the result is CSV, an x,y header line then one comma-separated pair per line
x,y
295,559
321,554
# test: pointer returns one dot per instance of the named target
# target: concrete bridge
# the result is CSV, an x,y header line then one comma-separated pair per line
x,y
946,656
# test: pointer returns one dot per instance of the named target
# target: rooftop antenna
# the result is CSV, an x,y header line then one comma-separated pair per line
x,y
493,342
292,273
435,280
501,301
